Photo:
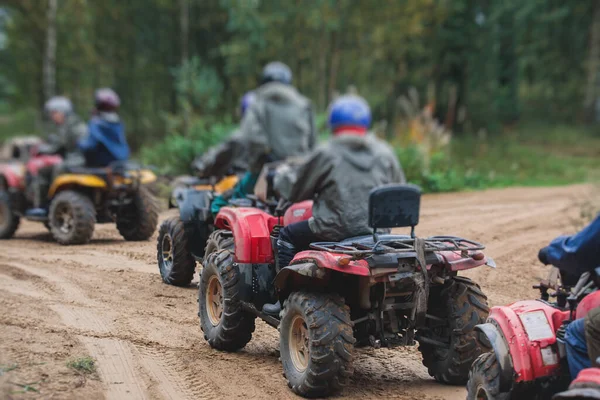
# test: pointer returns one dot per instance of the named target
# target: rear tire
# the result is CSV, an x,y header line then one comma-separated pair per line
x,y
316,343
175,262
484,379
139,219
225,324
9,221
72,218
461,305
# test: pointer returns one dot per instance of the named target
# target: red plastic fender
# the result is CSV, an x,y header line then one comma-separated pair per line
x,y
298,212
13,175
456,262
588,303
251,229
39,162
328,260
526,352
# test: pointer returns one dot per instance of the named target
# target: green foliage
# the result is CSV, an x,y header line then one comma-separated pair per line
x,y
175,153
199,85
83,365
534,156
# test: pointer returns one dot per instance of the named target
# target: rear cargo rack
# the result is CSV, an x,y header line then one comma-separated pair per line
x,y
404,245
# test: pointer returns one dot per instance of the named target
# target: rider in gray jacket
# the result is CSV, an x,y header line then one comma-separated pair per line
x,y
339,177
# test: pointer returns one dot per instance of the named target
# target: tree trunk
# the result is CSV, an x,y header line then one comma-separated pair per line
x,y
322,90
334,66
592,89
49,69
184,22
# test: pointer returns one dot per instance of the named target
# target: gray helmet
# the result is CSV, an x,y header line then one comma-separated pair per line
x,y
276,71
58,104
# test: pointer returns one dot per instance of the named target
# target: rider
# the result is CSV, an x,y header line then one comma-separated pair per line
x,y
105,141
279,123
339,177
577,254
68,130
219,159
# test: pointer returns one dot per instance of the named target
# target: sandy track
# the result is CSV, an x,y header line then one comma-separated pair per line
x,y
106,300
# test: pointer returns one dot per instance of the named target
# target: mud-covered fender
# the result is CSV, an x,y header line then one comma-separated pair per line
x,y
67,180
529,329
308,269
333,261
251,229
194,205
498,344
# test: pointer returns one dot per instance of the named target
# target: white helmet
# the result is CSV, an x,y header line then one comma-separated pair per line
x,y
58,104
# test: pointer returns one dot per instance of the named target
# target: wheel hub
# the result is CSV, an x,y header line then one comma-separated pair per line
x,y
299,345
167,251
64,219
482,394
214,300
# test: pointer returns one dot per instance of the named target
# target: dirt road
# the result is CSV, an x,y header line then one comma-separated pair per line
x,y
106,300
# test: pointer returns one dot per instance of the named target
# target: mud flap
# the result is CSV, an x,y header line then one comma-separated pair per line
x,y
496,341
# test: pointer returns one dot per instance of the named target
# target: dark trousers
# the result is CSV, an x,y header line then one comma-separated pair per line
x,y
292,239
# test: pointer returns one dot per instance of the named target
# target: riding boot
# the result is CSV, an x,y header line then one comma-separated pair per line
x,y
40,199
285,254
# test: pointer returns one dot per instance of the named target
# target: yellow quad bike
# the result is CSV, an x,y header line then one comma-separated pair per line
x,y
182,239
80,197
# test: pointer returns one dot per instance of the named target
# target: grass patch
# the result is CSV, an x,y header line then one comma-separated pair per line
x,y
528,156
18,123
83,365
7,368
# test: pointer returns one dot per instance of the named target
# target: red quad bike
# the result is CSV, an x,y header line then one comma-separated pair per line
x,y
377,290
528,357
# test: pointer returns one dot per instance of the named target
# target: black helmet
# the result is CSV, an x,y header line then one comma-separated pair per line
x,y
276,72
106,100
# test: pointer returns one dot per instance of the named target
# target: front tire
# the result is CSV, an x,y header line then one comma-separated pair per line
x,y
138,220
9,221
454,310
484,379
317,343
175,262
225,324
72,218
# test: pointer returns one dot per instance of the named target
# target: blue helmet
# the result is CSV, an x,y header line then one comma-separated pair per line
x,y
246,100
276,72
349,111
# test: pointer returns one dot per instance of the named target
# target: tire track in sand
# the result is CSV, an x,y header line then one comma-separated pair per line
x,y
123,367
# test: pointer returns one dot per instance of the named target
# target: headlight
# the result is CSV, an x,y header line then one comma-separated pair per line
x,y
536,325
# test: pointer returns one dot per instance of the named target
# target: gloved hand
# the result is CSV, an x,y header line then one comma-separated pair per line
x,y
543,256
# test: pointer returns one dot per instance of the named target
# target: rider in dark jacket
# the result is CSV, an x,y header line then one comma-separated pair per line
x,y
339,177
578,254
105,141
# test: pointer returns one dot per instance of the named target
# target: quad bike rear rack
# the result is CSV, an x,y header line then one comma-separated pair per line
x,y
400,245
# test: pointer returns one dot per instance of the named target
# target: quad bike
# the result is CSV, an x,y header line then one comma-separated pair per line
x,y
181,239
377,290
79,198
528,356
